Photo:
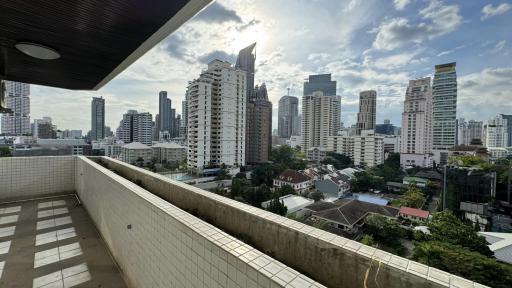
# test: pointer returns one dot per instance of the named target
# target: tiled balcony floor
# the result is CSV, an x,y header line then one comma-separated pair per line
x,y
52,243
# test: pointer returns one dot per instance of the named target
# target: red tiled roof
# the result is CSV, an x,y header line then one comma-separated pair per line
x,y
414,212
292,176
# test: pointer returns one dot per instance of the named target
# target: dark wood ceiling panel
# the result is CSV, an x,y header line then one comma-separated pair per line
x,y
92,36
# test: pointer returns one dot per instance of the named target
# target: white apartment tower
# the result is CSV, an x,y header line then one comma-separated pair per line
x,y
416,142
496,134
216,117
320,119
444,110
366,117
136,127
17,99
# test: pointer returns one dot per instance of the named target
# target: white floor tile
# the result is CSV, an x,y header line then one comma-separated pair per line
x,y
7,210
4,247
43,224
8,219
7,231
57,254
54,236
47,279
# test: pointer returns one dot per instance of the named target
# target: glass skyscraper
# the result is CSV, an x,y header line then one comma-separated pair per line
x,y
97,118
321,82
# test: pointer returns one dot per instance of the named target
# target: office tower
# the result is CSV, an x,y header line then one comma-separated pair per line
x,y
17,99
496,134
108,132
320,119
35,125
97,118
509,128
156,128
321,83
177,124
386,128
444,110
475,130
164,112
462,137
416,142
135,127
259,127
216,118
245,62
367,114
172,131
288,117
45,130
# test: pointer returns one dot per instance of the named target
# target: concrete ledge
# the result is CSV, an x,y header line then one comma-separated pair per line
x,y
327,258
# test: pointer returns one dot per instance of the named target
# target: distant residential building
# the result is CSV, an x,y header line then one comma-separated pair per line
x,y
416,136
133,152
367,115
320,119
322,83
217,118
288,117
297,180
333,185
368,150
108,146
386,128
108,132
509,127
444,107
391,144
316,154
499,152
136,127
73,146
184,118
496,133
35,126
17,99
294,141
97,118
341,144
462,136
258,143
169,152
245,62
413,214
474,130
46,130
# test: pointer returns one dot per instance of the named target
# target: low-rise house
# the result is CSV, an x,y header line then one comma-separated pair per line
x,y
131,153
418,182
413,214
299,182
333,185
294,203
316,154
169,152
347,214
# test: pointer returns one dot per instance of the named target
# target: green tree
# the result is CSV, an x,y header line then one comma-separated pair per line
x,y
365,181
285,190
241,175
339,161
265,174
413,197
238,186
386,232
286,157
463,262
316,195
5,152
256,195
368,240
446,227
277,207
223,175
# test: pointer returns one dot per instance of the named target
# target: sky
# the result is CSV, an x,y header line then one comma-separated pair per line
x,y
365,44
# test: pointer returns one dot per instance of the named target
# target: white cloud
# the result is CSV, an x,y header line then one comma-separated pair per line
x,y
400,4
490,11
486,93
393,61
499,46
439,20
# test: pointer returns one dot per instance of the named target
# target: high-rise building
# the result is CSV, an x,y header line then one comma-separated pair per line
x,y
216,117
288,117
462,136
259,127
321,82
320,119
475,130
416,137
45,130
172,129
366,117
444,110
97,118
509,128
136,127
164,112
184,118
365,150
35,125
17,99
245,61
496,133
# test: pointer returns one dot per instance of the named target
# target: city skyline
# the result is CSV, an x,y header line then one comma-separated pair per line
x,y
367,53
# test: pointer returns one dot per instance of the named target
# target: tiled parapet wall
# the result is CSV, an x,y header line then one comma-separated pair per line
x,y
156,244
329,259
28,177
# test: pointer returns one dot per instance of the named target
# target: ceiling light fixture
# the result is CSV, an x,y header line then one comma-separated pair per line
x,y
37,50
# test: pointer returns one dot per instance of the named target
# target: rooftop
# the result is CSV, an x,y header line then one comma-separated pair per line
x,y
168,145
414,212
500,244
136,146
292,176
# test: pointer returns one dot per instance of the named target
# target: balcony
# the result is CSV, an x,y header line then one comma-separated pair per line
x,y
163,233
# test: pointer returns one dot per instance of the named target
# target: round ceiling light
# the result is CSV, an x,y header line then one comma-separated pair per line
x,y
37,50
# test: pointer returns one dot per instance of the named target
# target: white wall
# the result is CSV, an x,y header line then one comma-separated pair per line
x,y
29,177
